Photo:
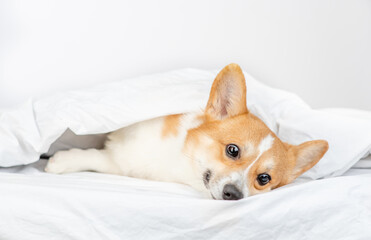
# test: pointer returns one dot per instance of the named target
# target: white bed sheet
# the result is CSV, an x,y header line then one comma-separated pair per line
x,y
38,205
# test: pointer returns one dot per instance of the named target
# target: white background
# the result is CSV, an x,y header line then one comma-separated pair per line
x,y
320,49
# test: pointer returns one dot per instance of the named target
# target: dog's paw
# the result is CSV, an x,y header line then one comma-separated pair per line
x,y
59,163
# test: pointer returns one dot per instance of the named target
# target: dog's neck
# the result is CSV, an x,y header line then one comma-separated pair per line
x,y
164,139
182,164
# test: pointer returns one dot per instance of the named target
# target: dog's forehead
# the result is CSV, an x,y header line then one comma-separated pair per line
x,y
264,146
244,129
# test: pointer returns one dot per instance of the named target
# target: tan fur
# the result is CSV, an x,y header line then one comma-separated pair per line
x,y
312,149
171,125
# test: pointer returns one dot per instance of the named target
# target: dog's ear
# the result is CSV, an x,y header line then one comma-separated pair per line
x,y
305,156
228,94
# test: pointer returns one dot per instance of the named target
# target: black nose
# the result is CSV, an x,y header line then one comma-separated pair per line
x,y
230,192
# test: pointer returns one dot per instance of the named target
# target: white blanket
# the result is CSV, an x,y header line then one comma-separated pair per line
x,y
37,205
93,206
29,131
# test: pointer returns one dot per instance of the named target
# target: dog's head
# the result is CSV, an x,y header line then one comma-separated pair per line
x,y
235,153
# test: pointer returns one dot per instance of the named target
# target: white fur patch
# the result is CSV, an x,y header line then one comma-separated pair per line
x,y
140,150
264,146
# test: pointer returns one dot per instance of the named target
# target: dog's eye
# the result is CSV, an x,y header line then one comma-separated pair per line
x,y
263,179
232,151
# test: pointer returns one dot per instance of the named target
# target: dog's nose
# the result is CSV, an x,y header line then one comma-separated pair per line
x,y
230,192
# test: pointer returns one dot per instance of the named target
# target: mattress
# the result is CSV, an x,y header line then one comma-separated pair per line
x,y
88,205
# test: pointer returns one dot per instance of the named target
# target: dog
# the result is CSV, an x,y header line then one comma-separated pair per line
x,y
224,151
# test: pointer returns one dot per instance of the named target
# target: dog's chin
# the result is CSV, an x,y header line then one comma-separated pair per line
x,y
214,196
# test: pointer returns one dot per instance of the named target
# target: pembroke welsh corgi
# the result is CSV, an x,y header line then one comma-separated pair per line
x,y
224,151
